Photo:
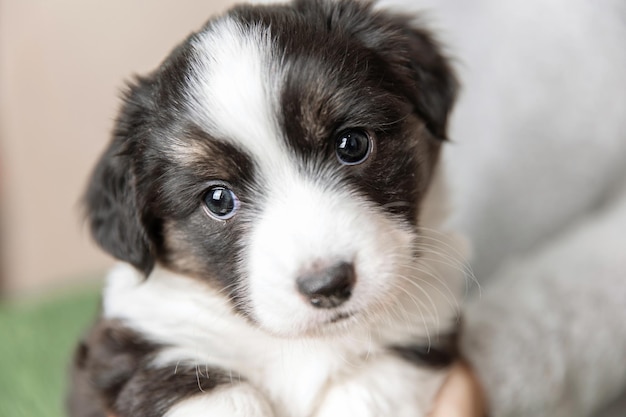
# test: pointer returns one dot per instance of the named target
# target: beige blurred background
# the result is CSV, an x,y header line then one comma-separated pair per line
x,y
62,65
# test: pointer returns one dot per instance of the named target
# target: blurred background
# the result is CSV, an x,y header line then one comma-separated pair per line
x,y
544,80
62,66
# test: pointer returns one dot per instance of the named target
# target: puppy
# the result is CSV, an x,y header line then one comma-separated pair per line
x,y
272,192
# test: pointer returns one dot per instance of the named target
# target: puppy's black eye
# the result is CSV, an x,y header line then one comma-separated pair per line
x,y
220,202
353,146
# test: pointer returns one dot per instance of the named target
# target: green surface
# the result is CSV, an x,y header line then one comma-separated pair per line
x,y
36,343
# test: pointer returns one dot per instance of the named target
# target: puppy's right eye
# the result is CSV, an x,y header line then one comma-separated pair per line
x,y
220,202
353,146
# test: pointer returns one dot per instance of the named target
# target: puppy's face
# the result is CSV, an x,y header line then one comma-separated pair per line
x,y
280,155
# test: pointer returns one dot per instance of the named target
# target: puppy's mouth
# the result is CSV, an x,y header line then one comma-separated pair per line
x,y
339,317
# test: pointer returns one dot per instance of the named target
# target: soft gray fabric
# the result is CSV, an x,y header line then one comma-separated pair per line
x,y
539,134
537,157
616,408
548,336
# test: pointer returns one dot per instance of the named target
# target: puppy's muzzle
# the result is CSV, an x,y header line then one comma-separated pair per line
x,y
329,287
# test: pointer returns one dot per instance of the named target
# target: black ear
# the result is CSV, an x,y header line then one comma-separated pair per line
x,y
112,204
414,57
434,81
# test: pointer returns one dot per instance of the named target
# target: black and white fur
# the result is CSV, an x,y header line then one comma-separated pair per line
x,y
226,315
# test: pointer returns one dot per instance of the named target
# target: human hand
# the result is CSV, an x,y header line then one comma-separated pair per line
x,y
460,396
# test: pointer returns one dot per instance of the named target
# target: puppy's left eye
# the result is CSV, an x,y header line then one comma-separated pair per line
x,y
220,202
353,146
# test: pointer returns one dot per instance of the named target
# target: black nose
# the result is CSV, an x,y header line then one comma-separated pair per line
x,y
330,287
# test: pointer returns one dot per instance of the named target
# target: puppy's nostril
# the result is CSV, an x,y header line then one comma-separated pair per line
x,y
330,287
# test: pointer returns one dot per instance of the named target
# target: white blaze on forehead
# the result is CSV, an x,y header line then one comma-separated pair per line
x,y
236,87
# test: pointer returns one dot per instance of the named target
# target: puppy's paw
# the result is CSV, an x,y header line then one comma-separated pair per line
x,y
387,387
238,401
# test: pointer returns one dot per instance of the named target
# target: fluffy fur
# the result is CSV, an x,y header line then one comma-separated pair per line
x,y
209,315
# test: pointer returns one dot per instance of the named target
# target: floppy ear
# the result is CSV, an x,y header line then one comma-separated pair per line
x,y
111,201
434,80
415,59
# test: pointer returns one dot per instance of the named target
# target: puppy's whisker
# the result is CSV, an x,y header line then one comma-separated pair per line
x,y
460,256
454,262
418,305
434,310
422,266
455,259
423,271
428,264
198,379
452,258
448,295
451,262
